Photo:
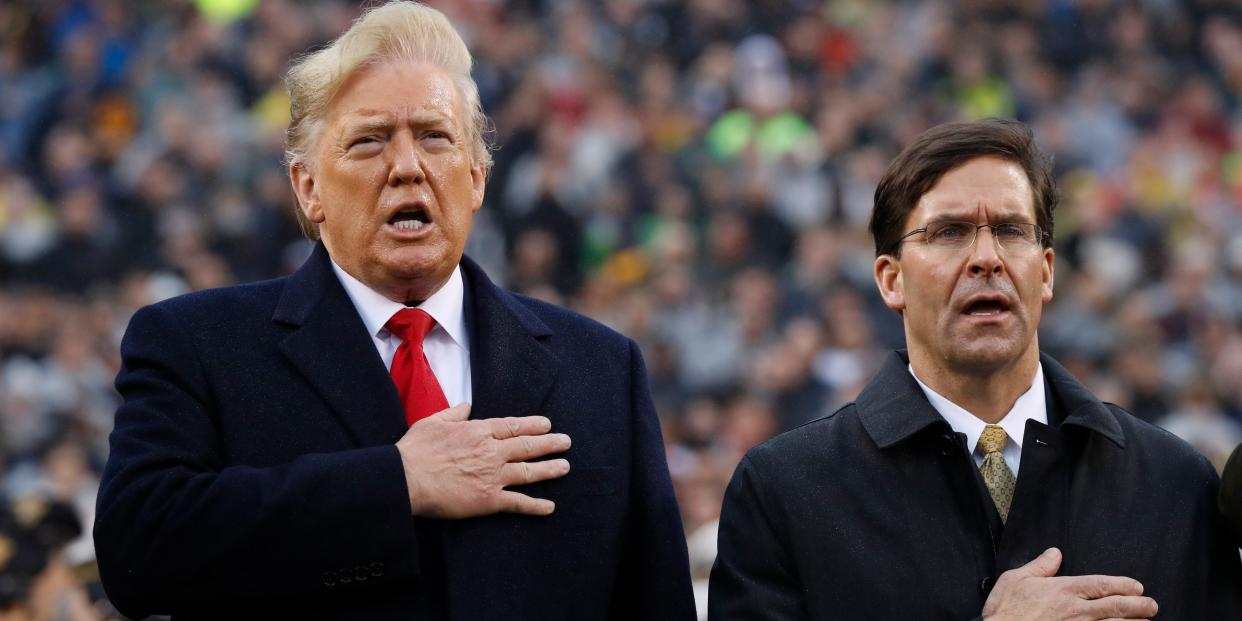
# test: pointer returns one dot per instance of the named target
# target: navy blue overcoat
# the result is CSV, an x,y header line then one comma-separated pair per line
x,y
253,472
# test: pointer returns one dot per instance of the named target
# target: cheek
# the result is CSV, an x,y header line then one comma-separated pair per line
x,y
935,284
357,173
1033,282
923,304
455,188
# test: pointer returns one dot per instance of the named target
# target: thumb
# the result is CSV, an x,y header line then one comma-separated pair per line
x,y
455,414
1045,565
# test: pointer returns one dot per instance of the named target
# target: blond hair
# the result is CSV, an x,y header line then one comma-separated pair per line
x,y
397,30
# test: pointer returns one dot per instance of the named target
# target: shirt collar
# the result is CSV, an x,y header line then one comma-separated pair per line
x,y
890,410
445,305
1031,405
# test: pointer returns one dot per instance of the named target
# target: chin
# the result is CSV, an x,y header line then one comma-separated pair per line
x,y
416,262
984,356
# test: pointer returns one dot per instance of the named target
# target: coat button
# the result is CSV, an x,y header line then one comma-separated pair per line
x,y
948,446
377,570
985,585
329,578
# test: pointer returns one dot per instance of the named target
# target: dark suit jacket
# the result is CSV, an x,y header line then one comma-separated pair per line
x,y
253,471
878,512
1231,494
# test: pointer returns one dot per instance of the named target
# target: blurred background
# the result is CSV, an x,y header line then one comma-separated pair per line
x,y
697,175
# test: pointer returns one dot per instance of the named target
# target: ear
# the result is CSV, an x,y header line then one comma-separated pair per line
x,y
1049,264
478,182
888,281
303,181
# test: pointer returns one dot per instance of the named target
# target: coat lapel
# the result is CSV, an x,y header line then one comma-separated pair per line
x,y
511,370
512,373
329,345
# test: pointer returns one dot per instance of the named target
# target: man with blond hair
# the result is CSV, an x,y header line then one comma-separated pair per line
x,y
287,449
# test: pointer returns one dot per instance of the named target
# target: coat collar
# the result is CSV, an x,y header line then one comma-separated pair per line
x,y
1081,408
511,370
892,408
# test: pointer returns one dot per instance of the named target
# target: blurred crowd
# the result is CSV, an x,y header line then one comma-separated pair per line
x,y
697,175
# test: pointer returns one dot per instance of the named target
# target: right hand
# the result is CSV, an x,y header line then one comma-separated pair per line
x,y
458,468
1034,591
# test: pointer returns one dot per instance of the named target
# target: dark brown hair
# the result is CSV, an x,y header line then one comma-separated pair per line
x,y
945,147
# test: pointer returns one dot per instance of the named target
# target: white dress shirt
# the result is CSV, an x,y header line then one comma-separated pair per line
x,y
1029,406
447,346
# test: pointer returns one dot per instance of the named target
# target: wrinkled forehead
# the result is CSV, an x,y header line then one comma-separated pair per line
x,y
981,190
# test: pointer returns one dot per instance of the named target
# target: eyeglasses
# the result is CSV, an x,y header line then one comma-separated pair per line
x,y
1013,236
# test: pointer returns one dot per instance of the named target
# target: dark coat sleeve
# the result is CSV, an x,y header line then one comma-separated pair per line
x,y
177,529
754,576
1231,496
654,580
1224,588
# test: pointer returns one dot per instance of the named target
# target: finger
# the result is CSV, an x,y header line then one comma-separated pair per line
x,y
1045,565
513,502
1096,586
456,414
523,448
527,472
512,427
1122,607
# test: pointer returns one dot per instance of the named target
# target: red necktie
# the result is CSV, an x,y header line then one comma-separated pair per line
x,y
420,392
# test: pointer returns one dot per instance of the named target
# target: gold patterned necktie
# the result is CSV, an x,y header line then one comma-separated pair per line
x,y
996,473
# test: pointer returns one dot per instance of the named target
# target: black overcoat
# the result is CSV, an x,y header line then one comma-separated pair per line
x,y
253,472
878,512
1231,494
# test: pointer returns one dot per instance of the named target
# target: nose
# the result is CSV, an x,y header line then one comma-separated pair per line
x,y
406,165
984,259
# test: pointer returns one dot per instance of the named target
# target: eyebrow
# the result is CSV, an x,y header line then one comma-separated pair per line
x,y
365,119
1003,218
365,126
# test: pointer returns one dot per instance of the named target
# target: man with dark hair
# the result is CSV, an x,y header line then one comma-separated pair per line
x,y
974,476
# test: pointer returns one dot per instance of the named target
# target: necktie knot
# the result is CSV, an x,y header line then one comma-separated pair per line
x,y
993,439
411,325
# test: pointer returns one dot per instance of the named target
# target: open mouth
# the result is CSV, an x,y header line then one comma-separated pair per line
x,y
986,307
412,219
